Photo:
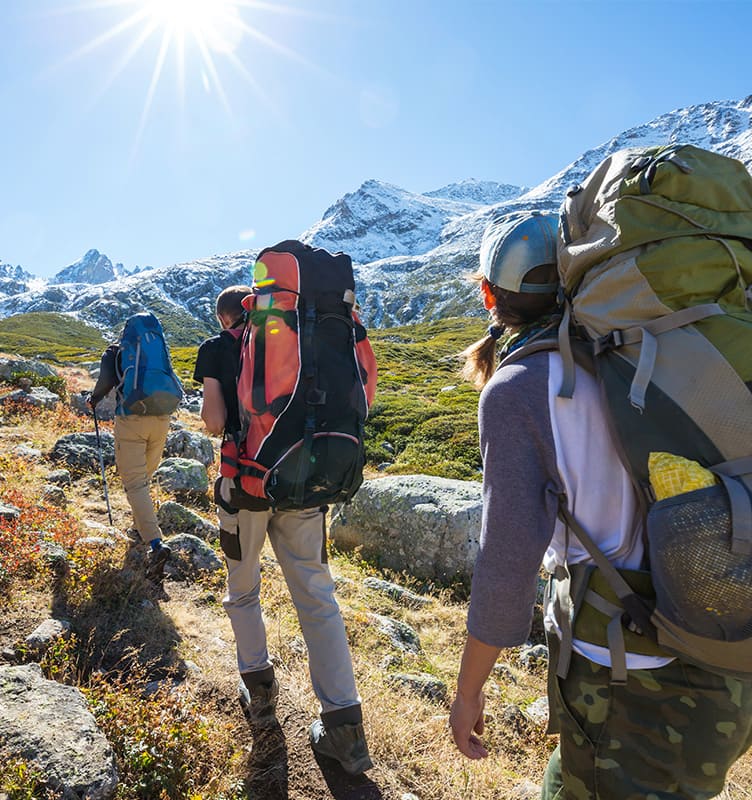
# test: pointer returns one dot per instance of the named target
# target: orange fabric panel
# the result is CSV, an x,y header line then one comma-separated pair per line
x,y
278,271
367,361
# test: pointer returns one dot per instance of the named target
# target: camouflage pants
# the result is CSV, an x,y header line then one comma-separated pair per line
x,y
668,734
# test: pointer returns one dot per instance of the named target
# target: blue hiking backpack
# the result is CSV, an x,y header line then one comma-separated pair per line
x,y
147,383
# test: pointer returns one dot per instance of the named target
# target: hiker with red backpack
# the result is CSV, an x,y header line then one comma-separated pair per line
x,y
138,367
634,720
291,420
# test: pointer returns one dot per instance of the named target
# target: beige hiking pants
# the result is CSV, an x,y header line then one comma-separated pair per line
x,y
298,539
139,443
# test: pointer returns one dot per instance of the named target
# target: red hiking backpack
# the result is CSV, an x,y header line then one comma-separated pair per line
x,y
306,379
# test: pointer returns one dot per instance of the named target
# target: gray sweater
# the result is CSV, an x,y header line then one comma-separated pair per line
x,y
519,463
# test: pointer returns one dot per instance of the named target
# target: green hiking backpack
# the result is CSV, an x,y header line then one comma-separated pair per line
x,y
655,261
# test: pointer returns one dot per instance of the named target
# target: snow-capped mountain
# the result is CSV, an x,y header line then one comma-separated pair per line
x,y
483,193
94,267
411,251
14,280
381,220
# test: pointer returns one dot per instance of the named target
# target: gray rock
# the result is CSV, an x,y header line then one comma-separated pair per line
x,y
9,512
29,453
426,525
504,673
422,684
187,444
537,711
48,632
396,592
175,518
11,366
80,453
54,496
56,557
36,397
182,475
95,543
9,655
50,725
527,790
533,656
60,477
400,634
105,407
190,557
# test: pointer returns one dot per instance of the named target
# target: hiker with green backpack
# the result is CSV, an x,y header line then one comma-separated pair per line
x,y
592,404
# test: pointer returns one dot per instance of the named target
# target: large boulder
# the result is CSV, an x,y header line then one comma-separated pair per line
x,y
35,397
420,524
175,518
50,725
187,444
12,366
182,476
80,451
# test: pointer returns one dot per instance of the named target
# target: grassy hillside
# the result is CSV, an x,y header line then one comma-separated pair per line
x,y
54,337
424,416
160,676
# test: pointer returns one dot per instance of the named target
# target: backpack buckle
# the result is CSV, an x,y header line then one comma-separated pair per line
x,y
610,341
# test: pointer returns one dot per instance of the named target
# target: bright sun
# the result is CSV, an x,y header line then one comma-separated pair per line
x,y
215,23
197,34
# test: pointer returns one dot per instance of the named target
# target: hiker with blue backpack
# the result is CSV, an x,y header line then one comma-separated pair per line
x,y
283,342
640,711
138,367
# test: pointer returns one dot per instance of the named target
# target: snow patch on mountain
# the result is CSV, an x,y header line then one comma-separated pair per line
x,y
412,252
484,193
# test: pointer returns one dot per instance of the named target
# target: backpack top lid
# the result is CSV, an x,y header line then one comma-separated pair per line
x,y
516,243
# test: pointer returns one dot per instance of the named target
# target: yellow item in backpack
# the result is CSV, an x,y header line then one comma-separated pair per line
x,y
671,475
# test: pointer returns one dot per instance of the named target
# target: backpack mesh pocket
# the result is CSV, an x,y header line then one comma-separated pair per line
x,y
699,583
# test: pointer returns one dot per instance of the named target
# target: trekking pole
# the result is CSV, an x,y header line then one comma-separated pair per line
x,y
101,464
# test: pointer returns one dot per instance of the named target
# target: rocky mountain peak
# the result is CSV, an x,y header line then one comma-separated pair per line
x,y
93,268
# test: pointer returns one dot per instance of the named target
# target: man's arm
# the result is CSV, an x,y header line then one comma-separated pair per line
x,y
213,409
466,716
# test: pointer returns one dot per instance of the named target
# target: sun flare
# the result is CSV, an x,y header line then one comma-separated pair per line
x,y
213,23
197,36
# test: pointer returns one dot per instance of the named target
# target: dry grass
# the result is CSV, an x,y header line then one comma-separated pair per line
x,y
205,750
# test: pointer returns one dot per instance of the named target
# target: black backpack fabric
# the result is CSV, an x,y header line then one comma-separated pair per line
x,y
307,377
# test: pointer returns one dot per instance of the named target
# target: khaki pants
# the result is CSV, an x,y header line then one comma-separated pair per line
x,y
298,539
139,443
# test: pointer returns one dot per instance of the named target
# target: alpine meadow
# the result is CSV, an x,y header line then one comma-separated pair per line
x,y
111,693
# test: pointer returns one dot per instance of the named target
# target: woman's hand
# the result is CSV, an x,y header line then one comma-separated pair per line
x,y
465,719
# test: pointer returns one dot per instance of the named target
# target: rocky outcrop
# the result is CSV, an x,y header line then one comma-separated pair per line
x,y
187,444
428,526
80,451
182,475
50,725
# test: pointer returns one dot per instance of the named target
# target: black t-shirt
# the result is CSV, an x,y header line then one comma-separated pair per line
x,y
218,358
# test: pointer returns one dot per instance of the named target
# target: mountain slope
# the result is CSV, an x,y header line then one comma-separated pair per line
x,y
412,251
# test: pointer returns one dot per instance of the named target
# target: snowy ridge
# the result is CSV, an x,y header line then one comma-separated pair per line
x,y
412,252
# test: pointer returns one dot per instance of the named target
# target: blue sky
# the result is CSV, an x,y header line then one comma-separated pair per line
x,y
294,104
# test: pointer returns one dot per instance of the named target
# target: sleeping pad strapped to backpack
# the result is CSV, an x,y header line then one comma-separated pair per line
x,y
655,264
306,379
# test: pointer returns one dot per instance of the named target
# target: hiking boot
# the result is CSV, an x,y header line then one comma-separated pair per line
x,y
343,743
155,564
259,703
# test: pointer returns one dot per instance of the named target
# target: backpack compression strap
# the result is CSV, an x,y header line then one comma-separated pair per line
x,y
631,603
